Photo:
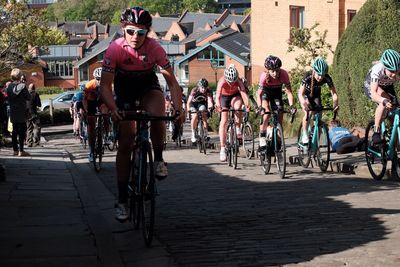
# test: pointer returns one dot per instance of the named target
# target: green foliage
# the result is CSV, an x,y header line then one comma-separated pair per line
x,y
59,117
49,90
20,28
372,30
311,43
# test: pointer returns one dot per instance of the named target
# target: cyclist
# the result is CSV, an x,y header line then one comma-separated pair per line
x,y
129,62
200,99
310,91
78,109
269,93
91,104
379,87
231,92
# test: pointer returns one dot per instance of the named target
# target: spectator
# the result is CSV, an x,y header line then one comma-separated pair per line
x,y
33,123
17,96
342,140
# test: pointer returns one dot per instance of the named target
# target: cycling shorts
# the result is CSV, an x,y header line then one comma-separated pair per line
x,y
131,87
227,99
388,89
198,106
78,106
273,97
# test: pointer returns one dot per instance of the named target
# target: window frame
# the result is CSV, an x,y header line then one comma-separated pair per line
x,y
351,13
299,17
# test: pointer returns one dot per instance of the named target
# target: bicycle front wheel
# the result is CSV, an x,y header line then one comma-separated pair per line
x,y
280,150
303,149
234,146
323,152
265,158
148,192
98,150
375,155
248,140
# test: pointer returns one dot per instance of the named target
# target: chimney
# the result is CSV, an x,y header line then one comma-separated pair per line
x,y
107,30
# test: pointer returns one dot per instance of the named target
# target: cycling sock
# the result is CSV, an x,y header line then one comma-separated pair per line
x,y
122,192
158,153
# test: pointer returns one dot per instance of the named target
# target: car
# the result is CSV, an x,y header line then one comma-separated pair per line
x,y
61,101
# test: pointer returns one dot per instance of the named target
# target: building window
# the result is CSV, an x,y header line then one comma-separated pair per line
x,y
350,15
297,17
214,55
84,73
60,69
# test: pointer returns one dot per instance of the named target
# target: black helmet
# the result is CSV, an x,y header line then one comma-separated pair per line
x,y
202,83
136,15
272,62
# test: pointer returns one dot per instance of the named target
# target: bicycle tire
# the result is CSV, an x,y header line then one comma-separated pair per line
x,y
374,155
148,192
303,150
98,148
265,159
234,148
396,157
200,135
134,205
324,146
248,140
228,145
280,150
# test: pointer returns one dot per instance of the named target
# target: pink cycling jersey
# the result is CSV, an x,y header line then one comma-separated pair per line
x,y
120,55
267,81
228,89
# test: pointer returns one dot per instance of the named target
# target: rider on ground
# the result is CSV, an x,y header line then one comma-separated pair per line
x,y
129,63
379,87
269,93
231,92
310,91
200,99
91,104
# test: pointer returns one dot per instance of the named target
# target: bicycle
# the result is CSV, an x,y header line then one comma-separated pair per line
x,y
232,142
200,133
112,135
275,144
377,155
83,134
98,150
142,185
318,147
248,136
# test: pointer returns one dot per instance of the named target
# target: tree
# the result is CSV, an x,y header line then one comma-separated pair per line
x,y
372,30
200,5
21,28
311,42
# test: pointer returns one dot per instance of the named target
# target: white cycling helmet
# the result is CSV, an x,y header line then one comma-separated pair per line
x,y
231,73
97,73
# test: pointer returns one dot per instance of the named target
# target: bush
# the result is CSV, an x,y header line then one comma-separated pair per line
x,y
60,117
50,90
371,32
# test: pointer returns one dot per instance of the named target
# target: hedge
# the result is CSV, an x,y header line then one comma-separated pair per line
x,y
373,29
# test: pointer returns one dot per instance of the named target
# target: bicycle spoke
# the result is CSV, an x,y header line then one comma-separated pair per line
x,y
280,150
323,152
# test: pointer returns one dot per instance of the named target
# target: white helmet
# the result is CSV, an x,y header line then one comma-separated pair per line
x,y
97,73
231,73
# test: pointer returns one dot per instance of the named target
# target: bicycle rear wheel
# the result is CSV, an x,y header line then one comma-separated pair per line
x,y
303,149
148,192
375,155
98,149
280,150
248,140
323,152
265,158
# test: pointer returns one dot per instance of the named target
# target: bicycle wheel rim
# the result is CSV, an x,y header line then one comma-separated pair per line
x,y
147,193
280,151
97,151
323,152
134,205
248,140
302,150
374,155
234,148
200,137
265,160
228,145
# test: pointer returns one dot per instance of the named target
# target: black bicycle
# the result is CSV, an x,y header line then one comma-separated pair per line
x,y
98,150
142,185
201,138
248,136
232,143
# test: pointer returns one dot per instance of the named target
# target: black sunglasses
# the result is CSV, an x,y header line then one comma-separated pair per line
x,y
138,32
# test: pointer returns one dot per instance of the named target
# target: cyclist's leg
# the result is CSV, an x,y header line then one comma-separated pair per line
x,y
265,104
193,122
225,105
152,102
203,109
380,111
123,164
237,103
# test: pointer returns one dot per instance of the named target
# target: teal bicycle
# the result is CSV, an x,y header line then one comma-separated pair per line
x,y
318,147
377,155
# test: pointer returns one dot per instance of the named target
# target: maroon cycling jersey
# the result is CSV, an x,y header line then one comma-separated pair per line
x,y
120,56
268,83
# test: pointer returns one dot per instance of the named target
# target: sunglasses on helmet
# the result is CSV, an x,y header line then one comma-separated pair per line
x,y
138,32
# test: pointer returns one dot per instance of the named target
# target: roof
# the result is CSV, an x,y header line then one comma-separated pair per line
x,y
97,49
60,52
235,45
200,20
162,24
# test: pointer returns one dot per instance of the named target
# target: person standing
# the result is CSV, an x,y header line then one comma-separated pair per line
x,y
33,123
17,96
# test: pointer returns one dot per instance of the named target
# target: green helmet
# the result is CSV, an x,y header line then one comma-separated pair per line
x,y
391,60
320,66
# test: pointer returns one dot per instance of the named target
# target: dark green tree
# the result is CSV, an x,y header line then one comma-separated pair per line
x,y
373,29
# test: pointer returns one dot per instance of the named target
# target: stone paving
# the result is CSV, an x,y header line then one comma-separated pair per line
x,y
57,212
